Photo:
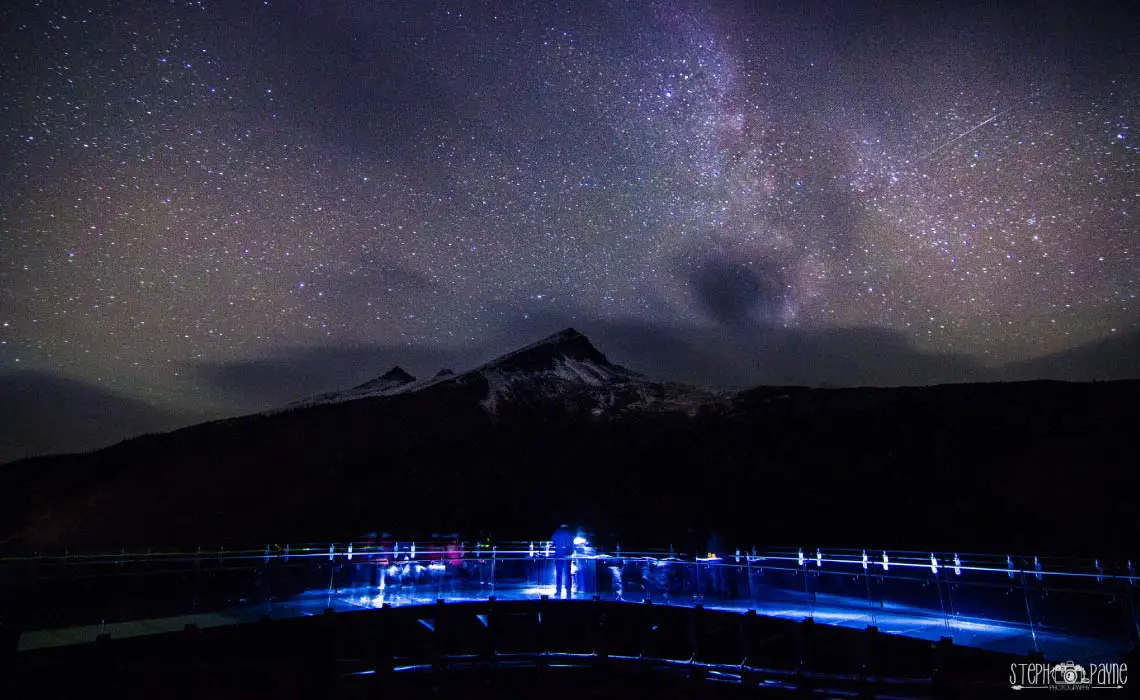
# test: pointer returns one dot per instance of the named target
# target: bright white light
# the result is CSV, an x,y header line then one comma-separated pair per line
x,y
957,565
886,562
350,551
865,562
579,540
933,565
818,558
801,557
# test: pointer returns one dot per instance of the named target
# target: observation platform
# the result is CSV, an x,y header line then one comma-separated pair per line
x,y
1009,607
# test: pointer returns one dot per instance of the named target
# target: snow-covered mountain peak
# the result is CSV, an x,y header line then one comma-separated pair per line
x,y
563,366
390,382
568,354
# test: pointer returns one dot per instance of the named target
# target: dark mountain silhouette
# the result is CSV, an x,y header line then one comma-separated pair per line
x,y
555,432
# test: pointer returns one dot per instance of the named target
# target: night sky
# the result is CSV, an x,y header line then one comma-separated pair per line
x,y
215,207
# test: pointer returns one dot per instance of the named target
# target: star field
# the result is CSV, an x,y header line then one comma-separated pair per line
x,y
194,184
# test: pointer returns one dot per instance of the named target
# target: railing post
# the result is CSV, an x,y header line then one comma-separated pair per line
x,y
751,592
1029,613
807,589
870,600
494,561
698,596
941,598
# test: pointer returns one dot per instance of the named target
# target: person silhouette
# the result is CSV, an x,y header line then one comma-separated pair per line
x,y
563,543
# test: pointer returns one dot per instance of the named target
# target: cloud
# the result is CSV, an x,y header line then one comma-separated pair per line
x,y
43,413
737,293
296,373
1116,357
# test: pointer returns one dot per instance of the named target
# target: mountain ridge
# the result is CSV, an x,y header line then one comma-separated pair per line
x,y
566,357
574,436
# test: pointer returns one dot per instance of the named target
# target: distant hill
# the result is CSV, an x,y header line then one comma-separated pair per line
x,y
36,406
1108,359
555,432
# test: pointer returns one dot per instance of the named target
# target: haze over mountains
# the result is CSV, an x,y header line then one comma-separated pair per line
x,y
556,431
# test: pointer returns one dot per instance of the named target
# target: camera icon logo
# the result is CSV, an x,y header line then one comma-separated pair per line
x,y
1069,673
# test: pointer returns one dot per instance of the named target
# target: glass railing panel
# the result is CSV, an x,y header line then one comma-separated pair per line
x,y
781,587
841,596
907,597
986,604
1081,616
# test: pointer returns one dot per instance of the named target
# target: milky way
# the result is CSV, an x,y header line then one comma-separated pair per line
x,y
196,185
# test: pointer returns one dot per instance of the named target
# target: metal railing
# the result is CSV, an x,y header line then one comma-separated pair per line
x,y
1054,607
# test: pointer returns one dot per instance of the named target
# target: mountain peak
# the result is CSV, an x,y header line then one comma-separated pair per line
x,y
397,373
392,378
566,344
566,334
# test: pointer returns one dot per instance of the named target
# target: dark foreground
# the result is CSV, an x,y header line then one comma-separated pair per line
x,y
538,648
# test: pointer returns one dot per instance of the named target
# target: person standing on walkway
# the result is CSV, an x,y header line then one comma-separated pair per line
x,y
563,543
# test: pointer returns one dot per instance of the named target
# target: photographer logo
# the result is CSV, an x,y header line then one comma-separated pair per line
x,y
1068,676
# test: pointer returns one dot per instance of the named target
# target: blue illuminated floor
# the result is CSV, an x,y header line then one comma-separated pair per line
x,y
853,612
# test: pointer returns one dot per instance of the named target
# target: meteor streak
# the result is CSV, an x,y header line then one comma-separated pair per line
x,y
966,133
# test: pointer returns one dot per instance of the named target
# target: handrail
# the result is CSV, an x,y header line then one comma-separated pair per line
x,y
878,561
